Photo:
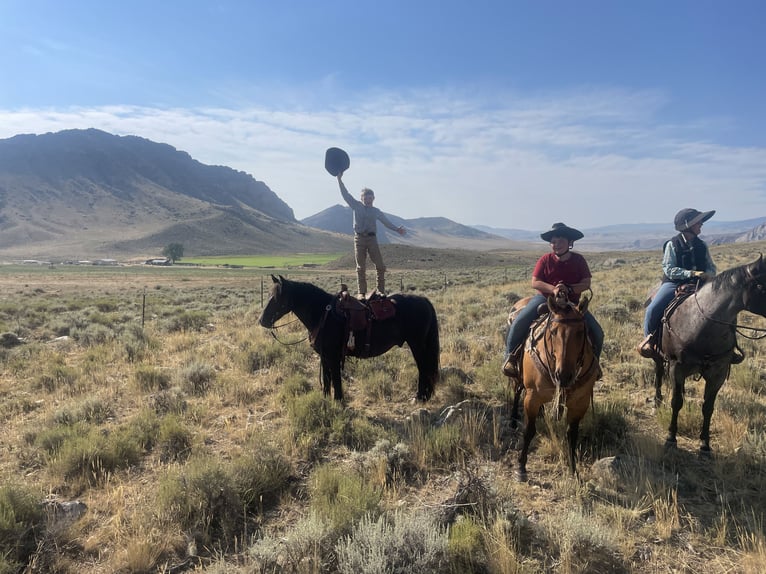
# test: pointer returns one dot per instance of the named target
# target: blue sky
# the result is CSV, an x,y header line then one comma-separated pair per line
x,y
502,113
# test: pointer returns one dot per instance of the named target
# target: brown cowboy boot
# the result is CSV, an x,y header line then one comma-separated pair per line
x,y
511,365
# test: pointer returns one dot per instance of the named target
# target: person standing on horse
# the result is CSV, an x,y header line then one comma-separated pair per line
x,y
560,269
686,259
366,218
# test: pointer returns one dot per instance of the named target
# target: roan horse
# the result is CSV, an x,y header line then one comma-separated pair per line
x,y
414,322
700,337
558,364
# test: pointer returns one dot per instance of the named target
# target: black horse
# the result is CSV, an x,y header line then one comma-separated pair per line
x,y
700,337
414,322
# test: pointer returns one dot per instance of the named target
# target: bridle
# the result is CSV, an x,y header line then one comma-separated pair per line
x,y
736,327
282,310
548,366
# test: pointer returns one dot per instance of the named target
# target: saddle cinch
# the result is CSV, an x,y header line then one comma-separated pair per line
x,y
359,316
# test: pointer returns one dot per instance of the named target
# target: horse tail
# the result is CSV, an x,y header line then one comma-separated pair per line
x,y
432,349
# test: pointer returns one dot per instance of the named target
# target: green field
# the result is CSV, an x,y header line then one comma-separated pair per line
x,y
266,261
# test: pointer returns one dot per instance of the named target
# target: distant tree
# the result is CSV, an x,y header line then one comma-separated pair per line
x,y
173,251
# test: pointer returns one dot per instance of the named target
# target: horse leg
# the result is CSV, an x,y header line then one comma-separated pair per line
x,y
577,405
331,378
425,384
326,376
659,369
518,389
713,384
337,383
531,410
676,403
426,354
572,431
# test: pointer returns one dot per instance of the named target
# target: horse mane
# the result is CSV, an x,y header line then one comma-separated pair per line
x,y
729,276
304,289
732,276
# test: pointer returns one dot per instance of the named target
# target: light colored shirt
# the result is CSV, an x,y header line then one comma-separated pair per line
x,y
678,274
365,218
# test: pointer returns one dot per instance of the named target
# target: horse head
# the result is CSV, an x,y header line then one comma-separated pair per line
x,y
755,287
565,341
279,303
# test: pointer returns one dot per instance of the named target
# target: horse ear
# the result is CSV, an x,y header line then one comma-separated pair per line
x,y
551,303
274,279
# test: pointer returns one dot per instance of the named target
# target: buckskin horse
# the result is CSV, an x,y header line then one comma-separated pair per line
x,y
699,337
413,322
558,365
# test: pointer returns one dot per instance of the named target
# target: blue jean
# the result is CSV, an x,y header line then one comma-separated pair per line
x,y
520,327
655,310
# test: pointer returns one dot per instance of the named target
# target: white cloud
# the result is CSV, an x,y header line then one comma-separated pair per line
x,y
590,158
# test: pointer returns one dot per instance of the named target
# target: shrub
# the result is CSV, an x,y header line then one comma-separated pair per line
x,y
59,376
89,456
92,410
187,321
151,379
202,500
174,440
466,550
135,342
437,446
262,357
342,498
21,524
260,477
197,377
293,386
168,401
397,544
93,334
301,549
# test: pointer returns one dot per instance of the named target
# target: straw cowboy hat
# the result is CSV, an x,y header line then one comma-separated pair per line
x,y
562,230
689,217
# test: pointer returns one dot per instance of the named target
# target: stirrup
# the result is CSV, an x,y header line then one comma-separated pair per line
x,y
509,367
647,349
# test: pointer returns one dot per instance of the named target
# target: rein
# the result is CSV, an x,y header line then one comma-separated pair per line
x,y
273,329
737,328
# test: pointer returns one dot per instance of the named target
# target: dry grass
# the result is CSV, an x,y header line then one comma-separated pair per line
x,y
198,441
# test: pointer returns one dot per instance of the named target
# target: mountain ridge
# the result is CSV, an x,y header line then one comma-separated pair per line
x,y
87,193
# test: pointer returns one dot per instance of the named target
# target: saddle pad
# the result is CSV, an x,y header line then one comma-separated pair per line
x,y
382,309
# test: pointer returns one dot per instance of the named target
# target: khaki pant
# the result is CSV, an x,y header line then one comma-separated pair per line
x,y
368,245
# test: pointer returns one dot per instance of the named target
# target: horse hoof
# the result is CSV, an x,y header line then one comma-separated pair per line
x,y
670,443
705,451
521,476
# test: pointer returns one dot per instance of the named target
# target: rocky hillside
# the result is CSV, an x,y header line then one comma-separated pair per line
x,y
85,193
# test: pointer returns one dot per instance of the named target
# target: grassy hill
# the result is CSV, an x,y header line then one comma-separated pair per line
x,y
195,441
